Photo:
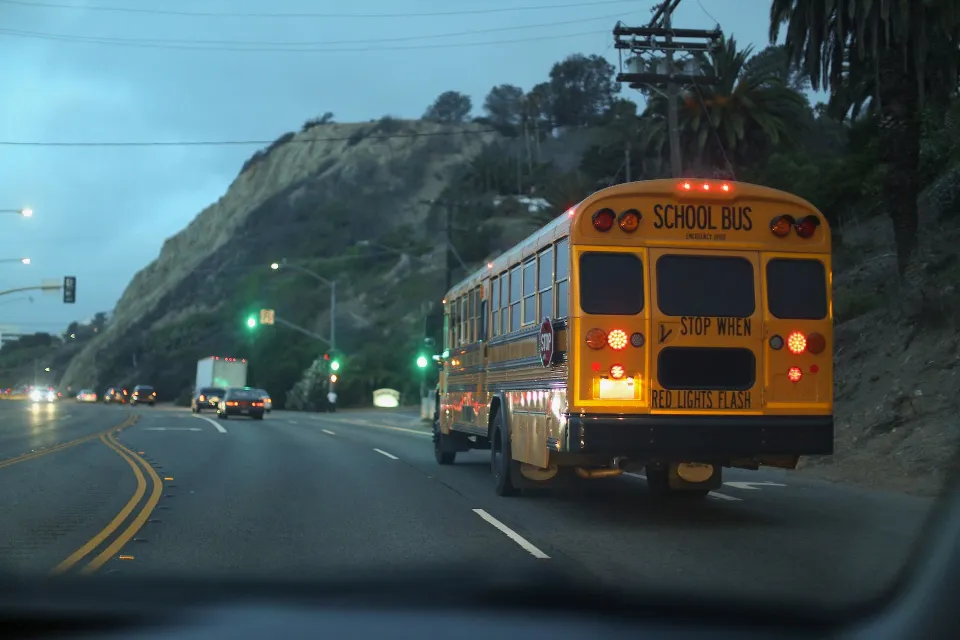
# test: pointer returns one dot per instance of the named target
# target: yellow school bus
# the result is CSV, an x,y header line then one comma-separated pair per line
x,y
671,327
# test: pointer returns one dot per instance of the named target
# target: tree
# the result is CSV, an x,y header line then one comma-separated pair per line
x,y
504,106
737,121
450,107
582,88
903,51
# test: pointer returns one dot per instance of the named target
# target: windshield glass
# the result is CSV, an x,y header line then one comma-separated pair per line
x,y
489,283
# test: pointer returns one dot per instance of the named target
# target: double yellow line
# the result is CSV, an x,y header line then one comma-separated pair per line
x,y
139,466
66,445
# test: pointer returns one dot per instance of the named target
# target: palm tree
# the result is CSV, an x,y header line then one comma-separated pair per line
x,y
750,110
892,53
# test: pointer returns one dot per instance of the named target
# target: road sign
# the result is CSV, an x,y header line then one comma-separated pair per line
x,y
69,289
266,316
545,342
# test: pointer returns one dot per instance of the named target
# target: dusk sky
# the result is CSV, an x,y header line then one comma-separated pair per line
x,y
199,70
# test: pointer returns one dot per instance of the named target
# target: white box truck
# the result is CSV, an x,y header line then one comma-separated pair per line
x,y
217,371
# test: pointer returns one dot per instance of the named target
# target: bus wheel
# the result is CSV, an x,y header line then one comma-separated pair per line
x,y
501,460
658,483
440,443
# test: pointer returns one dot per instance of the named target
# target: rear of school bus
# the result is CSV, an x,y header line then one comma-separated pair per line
x,y
701,332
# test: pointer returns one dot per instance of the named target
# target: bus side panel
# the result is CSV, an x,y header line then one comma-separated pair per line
x,y
533,393
460,403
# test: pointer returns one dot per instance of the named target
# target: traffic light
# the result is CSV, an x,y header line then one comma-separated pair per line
x,y
335,366
334,377
251,322
422,361
69,289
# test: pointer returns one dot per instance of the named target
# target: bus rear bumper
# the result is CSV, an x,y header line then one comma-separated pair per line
x,y
699,437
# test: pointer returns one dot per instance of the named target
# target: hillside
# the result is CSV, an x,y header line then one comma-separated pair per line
x,y
310,197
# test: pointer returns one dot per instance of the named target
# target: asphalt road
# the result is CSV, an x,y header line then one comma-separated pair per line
x,y
145,491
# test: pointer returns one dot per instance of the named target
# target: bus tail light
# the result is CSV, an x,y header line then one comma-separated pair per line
x,y
796,343
629,220
617,339
816,343
596,338
603,219
807,226
636,339
776,343
781,225
617,372
794,374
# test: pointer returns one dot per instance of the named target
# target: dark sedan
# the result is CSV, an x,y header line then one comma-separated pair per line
x,y
241,402
206,398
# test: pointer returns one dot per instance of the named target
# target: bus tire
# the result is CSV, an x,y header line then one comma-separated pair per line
x,y
441,446
658,483
501,460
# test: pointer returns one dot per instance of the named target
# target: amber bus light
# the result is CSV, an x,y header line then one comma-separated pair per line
x,y
629,220
596,338
781,225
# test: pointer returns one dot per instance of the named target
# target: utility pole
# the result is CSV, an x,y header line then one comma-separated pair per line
x,y
673,124
659,37
448,230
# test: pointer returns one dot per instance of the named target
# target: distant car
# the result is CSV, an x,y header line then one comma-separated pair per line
x,y
115,395
143,394
43,395
241,402
267,402
87,395
206,398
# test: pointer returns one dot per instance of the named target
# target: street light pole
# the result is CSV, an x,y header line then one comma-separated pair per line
x,y
25,212
333,300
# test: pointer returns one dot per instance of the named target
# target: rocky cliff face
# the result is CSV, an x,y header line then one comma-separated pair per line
x,y
308,195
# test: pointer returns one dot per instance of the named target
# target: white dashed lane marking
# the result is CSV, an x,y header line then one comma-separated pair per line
x,y
513,535
214,423
384,453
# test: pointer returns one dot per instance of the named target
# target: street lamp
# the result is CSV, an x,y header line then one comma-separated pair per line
x,y
26,212
333,299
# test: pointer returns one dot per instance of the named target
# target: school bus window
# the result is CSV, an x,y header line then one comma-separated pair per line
x,y
482,322
504,303
611,283
545,282
530,291
494,305
454,324
464,315
797,289
693,368
563,277
697,285
478,309
515,288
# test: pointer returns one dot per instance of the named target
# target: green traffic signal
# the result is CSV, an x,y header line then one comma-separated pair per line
x,y
251,322
422,362
334,366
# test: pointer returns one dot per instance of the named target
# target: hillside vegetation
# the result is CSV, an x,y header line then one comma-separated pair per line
x,y
367,205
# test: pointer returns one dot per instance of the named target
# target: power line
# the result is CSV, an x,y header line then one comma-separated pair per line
x,y
211,14
368,48
225,143
214,44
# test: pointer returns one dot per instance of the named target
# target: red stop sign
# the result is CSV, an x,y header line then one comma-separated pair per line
x,y
545,342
